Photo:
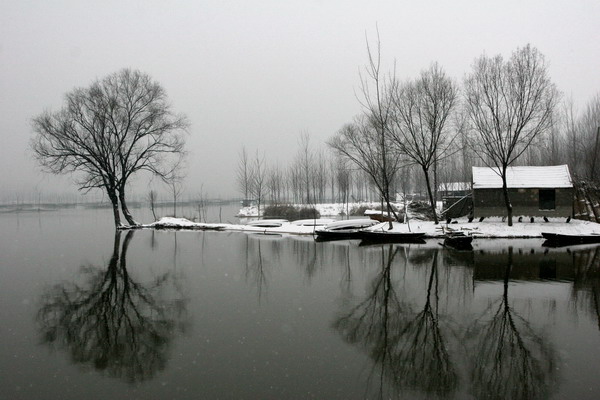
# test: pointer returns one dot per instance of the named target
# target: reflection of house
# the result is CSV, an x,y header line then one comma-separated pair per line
x,y
533,191
525,265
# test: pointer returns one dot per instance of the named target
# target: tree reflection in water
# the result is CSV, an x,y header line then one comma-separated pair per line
x,y
586,286
113,323
255,271
409,347
510,361
421,356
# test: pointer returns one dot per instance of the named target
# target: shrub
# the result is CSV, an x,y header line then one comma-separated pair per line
x,y
290,212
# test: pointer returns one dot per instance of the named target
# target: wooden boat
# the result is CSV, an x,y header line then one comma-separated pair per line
x,y
560,239
458,241
318,222
267,223
376,237
342,230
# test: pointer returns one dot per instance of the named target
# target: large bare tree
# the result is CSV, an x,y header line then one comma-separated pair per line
x,y
362,144
366,141
421,110
109,131
509,103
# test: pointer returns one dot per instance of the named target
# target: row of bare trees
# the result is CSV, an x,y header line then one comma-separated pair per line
x,y
505,106
313,176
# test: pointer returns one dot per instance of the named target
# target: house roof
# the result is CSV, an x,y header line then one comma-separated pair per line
x,y
454,186
555,176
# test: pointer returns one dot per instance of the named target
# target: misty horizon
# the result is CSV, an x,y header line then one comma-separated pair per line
x,y
259,74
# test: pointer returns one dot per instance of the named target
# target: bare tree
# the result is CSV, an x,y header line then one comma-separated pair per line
x,y
571,134
366,141
295,185
108,132
509,104
152,202
275,183
174,181
332,165
421,110
361,144
344,181
259,178
319,177
305,164
244,170
588,127
201,204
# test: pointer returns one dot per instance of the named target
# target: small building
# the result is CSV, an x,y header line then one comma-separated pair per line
x,y
454,189
249,203
533,191
456,198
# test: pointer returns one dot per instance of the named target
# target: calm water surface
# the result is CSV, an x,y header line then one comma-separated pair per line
x,y
87,314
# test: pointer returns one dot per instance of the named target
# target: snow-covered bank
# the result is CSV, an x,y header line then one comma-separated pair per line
x,y
489,228
182,223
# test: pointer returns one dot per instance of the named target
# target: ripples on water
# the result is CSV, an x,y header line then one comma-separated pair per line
x,y
90,314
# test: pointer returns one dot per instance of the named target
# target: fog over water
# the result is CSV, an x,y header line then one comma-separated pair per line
x,y
260,73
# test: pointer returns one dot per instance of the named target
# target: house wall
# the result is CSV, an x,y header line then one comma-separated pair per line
x,y
456,207
490,202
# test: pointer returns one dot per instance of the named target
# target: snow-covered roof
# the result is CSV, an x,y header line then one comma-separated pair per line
x,y
454,186
555,176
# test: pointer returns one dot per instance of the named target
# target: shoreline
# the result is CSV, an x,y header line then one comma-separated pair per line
x,y
490,228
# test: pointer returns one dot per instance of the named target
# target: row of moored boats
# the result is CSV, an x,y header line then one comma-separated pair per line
x,y
366,230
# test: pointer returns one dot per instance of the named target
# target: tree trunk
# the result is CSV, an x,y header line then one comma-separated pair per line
x,y
431,200
124,208
115,205
506,198
174,204
386,197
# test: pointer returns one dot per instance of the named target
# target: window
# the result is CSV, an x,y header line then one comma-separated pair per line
x,y
547,199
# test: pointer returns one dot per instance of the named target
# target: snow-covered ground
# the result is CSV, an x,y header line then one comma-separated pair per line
x,y
489,228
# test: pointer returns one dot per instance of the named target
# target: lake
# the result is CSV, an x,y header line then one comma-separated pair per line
x,y
87,314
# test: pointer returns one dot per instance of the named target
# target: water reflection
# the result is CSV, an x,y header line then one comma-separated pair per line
x,y
511,360
423,361
407,345
414,323
586,286
113,323
255,270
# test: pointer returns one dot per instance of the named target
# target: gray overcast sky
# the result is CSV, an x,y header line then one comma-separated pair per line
x,y
260,72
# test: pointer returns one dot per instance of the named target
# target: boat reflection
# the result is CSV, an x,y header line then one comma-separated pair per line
x,y
112,323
